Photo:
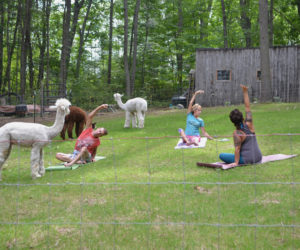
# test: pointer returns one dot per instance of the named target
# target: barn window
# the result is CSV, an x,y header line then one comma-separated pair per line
x,y
223,75
258,75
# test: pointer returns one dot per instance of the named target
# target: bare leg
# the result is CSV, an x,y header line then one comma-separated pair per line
x,y
186,140
83,153
63,157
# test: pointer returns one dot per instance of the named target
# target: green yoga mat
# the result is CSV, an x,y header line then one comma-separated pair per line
x,y
73,167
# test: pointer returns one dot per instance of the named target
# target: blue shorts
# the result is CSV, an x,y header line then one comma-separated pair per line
x,y
86,158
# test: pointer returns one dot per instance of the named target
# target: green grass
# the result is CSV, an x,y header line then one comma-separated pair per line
x,y
110,204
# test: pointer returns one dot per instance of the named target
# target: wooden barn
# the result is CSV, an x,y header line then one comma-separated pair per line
x,y
219,72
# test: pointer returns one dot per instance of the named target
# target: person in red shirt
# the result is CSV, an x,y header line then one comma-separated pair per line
x,y
86,144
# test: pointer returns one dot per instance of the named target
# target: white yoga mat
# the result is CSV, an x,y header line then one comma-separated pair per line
x,y
181,144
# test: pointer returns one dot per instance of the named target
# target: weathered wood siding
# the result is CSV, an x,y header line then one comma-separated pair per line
x,y
244,64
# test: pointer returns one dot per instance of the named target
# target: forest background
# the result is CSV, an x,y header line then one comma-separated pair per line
x,y
89,49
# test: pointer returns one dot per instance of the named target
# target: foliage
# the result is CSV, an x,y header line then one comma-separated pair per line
x,y
158,42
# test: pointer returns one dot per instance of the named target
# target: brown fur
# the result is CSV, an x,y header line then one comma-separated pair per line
x,y
77,116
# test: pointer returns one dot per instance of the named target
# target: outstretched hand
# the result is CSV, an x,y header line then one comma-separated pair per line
x,y
104,106
244,88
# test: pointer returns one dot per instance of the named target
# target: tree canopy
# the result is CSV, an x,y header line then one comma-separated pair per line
x,y
77,47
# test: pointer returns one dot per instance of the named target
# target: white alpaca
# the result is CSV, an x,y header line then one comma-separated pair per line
x,y
32,135
133,107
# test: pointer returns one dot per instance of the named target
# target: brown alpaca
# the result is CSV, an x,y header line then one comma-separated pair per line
x,y
77,116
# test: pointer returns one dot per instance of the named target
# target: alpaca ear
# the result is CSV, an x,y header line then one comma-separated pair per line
x,y
121,95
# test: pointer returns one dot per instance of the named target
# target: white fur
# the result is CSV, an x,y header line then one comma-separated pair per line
x,y
32,135
133,107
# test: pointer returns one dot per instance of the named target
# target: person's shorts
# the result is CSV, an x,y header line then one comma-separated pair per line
x,y
191,138
87,158
194,138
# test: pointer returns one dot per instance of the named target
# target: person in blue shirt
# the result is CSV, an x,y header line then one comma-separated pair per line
x,y
191,135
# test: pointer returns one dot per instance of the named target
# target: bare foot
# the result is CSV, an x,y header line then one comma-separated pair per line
x,y
67,164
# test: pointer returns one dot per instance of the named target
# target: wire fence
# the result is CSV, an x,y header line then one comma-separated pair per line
x,y
153,203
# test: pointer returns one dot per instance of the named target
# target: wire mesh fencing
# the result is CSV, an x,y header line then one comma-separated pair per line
x,y
146,194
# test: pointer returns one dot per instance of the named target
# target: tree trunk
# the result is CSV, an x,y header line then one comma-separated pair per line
x,y
224,25
271,17
76,10
45,20
111,16
64,49
81,41
10,48
135,38
245,22
24,47
126,68
179,56
1,42
266,87
28,42
47,49
297,2
68,36
145,45
204,24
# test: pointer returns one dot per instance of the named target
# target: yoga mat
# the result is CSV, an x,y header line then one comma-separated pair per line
x,y
267,158
73,167
181,144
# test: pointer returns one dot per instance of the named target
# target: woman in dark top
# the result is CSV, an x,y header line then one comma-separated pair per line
x,y
245,143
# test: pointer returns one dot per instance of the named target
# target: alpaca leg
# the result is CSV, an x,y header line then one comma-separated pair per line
x,y
77,129
80,128
141,119
35,160
133,119
41,163
127,120
63,132
70,130
5,148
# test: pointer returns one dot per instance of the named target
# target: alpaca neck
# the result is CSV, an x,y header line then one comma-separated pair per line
x,y
58,125
121,104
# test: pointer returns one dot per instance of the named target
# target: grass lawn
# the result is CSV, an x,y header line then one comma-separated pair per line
x,y
147,195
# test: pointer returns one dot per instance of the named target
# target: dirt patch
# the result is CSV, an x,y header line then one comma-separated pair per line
x,y
202,190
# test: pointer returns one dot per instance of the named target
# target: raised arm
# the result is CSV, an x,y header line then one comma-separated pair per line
x,y
193,99
248,119
93,113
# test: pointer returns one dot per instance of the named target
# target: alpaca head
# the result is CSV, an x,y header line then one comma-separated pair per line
x,y
117,96
63,105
